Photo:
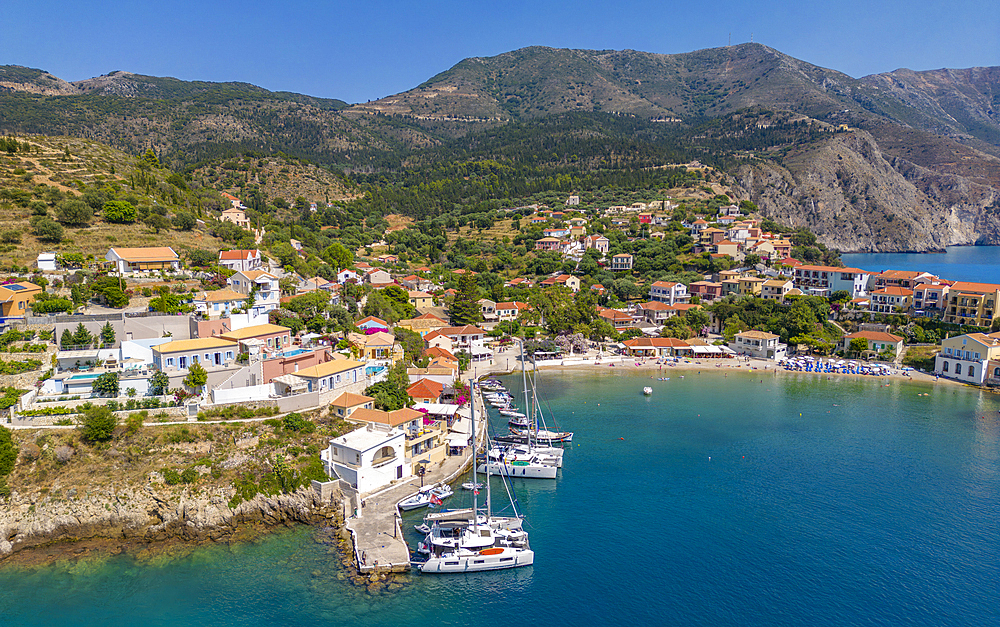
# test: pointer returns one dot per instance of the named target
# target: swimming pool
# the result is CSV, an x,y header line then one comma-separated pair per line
x,y
373,370
80,377
293,352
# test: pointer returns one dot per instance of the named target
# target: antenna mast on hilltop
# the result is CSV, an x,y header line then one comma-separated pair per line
x,y
751,37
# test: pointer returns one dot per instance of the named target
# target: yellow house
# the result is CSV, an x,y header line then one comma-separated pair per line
x,y
379,346
420,299
726,247
15,298
750,285
422,324
972,303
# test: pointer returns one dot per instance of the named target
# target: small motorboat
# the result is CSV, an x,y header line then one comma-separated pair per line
x,y
427,495
422,528
468,485
648,391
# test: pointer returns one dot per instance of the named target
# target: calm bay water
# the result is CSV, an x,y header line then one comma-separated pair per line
x,y
979,264
744,500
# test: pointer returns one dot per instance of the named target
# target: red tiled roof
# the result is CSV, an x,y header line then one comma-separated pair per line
x,y
876,336
425,388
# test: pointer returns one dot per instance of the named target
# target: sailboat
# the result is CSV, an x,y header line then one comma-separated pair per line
x,y
464,541
522,460
527,431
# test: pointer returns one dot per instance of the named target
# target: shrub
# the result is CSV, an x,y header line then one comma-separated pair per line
x,y
74,213
171,476
119,212
48,230
97,424
8,452
190,475
134,422
295,422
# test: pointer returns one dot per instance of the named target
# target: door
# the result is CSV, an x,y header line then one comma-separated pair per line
x,y
399,472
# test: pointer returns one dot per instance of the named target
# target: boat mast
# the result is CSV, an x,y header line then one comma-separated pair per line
x,y
524,382
475,491
536,409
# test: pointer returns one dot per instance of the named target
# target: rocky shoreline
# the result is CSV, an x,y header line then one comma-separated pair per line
x,y
115,520
147,524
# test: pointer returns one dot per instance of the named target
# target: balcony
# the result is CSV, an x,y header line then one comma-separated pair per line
x,y
967,359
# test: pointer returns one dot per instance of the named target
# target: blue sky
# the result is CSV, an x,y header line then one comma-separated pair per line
x,y
362,50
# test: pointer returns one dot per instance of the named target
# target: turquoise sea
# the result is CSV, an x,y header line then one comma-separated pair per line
x,y
747,499
979,264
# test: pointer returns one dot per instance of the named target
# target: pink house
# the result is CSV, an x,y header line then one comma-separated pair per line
x,y
282,365
548,243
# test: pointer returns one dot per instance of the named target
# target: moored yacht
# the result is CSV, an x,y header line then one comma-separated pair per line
x,y
463,541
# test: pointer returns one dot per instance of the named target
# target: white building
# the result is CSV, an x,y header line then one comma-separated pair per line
x,y
759,344
622,262
668,292
240,260
825,280
268,295
368,458
46,262
129,260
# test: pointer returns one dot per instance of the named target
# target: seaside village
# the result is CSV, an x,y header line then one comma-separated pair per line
x,y
253,333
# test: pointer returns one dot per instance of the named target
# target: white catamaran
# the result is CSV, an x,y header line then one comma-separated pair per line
x,y
470,540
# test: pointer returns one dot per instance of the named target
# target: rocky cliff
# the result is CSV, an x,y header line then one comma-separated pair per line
x,y
859,199
148,514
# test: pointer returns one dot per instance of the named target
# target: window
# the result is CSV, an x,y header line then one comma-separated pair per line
x,y
972,371
958,368
229,354
996,372
170,362
270,342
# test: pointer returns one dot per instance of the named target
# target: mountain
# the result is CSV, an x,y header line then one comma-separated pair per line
x,y
903,160
185,121
914,167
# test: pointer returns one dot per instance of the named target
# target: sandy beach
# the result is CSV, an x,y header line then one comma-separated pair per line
x,y
507,361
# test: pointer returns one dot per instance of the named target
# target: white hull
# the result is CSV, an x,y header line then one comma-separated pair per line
x,y
532,471
510,558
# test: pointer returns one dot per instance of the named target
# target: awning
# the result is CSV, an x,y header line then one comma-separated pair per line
x,y
462,426
437,409
479,349
458,439
84,354
706,350
293,382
